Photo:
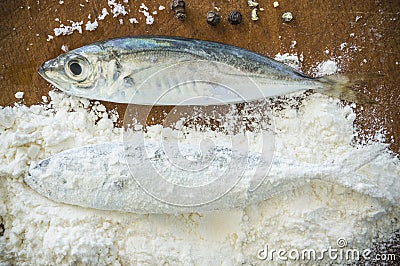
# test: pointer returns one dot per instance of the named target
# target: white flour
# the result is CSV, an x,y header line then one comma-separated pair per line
x,y
356,207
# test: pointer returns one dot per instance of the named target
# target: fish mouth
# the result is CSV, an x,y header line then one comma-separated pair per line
x,y
45,68
42,71
50,72
48,68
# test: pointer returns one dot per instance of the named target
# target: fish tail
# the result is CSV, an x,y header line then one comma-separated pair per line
x,y
341,86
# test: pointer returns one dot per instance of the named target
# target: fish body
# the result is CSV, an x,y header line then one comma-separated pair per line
x,y
110,176
171,70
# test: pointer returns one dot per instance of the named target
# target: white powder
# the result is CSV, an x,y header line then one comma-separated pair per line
x,y
103,14
342,46
64,48
68,29
90,26
143,6
117,8
149,18
290,59
358,203
19,95
133,20
327,68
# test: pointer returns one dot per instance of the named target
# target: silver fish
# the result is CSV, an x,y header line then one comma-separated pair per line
x,y
179,71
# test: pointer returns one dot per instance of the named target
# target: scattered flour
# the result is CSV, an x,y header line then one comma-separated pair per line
x,y
360,206
133,20
290,59
149,18
143,6
103,14
68,29
117,9
327,68
64,48
19,95
91,26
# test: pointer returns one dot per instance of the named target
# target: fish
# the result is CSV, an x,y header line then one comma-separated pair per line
x,y
116,176
142,179
160,70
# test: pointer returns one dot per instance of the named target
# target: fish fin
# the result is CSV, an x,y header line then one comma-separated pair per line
x,y
341,86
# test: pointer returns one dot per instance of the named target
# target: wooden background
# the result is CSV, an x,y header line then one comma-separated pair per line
x,y
371,29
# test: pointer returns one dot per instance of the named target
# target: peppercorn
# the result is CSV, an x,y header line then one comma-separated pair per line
x,y
178,6
213,18
235,17
180,16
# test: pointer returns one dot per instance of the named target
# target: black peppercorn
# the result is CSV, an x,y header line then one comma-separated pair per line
x,y
213,18
235,17
180,16
178,6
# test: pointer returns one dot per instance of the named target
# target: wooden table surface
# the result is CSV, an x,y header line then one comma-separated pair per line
x,y
371,29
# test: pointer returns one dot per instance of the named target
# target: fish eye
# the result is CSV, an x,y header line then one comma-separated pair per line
x,y
77,68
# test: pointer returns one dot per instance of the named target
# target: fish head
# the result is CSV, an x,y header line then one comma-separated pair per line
x,y
75,72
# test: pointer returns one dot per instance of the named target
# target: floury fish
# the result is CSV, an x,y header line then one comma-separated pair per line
x,y
179,71
142,179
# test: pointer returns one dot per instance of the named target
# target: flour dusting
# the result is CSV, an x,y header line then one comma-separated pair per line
x,y
327,68
119,11
357,201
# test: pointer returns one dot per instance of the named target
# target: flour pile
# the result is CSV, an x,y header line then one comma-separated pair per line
x,y
358,201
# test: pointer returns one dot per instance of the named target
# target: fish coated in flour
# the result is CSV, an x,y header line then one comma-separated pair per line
x,y
98,177
177,71
110,176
